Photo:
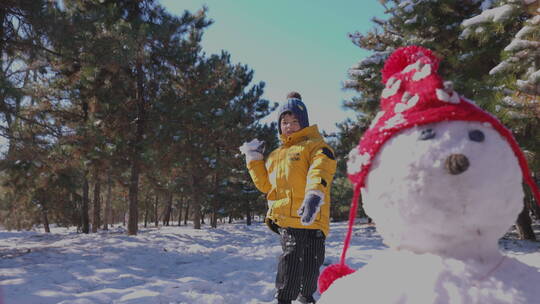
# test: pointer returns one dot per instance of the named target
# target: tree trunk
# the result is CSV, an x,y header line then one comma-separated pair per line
x,y
535,210
248,215
215,202
108,207
133,209
156,217
186,215
45,219
97,202
125,212
84,210
146,211
523,225
179,211
136,149
168,209
196,208
73,197
4,108
213,219
530,201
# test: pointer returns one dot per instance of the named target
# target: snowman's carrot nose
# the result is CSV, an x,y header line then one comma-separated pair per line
x,y
456,164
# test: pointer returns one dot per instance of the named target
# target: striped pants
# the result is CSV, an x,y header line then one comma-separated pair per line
x,y
298,268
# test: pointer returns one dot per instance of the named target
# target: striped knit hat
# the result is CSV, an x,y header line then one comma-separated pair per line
x,y
295,106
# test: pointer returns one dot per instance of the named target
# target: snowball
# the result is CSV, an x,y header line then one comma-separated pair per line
x,y
250,146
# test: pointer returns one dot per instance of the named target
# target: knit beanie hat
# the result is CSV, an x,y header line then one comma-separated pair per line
x,y
414,95
294,105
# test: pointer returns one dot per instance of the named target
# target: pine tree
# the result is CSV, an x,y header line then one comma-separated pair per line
x,y
433,24
25,121
215,110
115,64
516,77
20,33
120,94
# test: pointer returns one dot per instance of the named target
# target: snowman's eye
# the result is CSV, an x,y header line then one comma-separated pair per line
x,y
476,135
427,134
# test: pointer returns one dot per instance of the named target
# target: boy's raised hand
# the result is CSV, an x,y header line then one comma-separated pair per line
x,y
253,150
310,207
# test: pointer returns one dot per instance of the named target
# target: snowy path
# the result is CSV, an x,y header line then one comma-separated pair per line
x,y
231,264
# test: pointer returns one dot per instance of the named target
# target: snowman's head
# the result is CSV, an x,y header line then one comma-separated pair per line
x,y
443,185
437,172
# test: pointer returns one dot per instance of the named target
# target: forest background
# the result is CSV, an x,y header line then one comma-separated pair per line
x,y
111,112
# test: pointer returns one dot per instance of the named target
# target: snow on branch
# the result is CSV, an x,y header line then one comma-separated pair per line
x,y
501,67
497,14
531,85
376,58
407,6
486,4
519,44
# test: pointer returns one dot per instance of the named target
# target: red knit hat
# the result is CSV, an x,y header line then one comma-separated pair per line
x,y
414,95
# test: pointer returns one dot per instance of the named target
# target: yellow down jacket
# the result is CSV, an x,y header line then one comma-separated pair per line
x,y
302,163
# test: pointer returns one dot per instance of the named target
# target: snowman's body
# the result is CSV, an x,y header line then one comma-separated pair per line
x,y
406,277
441,196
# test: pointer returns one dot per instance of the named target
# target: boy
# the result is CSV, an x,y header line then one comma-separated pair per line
x,y
296,178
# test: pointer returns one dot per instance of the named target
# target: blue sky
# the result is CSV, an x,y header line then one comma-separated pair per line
x,y
297,45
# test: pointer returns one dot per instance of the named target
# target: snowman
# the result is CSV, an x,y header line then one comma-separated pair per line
x,y
442,180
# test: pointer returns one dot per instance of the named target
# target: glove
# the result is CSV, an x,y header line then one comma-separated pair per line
x,y
253,150
310,207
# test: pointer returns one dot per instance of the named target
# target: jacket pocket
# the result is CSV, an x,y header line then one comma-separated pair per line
x,y
296,203
282,208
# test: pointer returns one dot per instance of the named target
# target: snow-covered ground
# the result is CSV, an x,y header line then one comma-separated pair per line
x,y
234,263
